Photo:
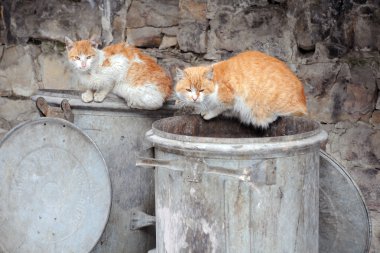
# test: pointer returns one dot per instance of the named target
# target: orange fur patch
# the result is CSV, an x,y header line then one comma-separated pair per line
x,y
81,47
106,63
143,68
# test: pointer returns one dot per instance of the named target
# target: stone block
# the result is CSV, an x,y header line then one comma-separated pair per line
x,y
119,24
375,119
192,37
15,111
54,72
254,28
304,34
194,10
3,26
192,34
361,92
55,19
144,37
168,41
338,91
153,13
356,145
364,38
170,31
323,95
17,71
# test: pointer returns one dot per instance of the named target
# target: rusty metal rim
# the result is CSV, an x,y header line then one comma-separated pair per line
x,y
273,149
232,141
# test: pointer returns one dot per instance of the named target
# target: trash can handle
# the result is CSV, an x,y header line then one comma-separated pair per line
x,y
194,168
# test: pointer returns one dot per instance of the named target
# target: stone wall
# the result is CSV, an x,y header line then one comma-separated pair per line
x,y
333,46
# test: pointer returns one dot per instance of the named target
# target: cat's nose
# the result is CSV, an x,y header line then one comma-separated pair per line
x,y
194,97
83,64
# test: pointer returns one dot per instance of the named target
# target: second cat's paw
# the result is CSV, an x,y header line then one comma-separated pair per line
x,y
87,97
99,97
207,116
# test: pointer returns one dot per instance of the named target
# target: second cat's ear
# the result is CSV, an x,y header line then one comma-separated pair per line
x,y
180,74
209,73
69,43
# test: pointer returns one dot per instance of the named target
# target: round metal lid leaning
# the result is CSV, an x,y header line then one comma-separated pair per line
x,y
55,188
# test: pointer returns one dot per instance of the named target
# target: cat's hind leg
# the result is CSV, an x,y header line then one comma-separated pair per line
x,y
87,96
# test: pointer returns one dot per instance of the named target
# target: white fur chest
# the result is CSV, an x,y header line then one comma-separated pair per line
x,y
94,80
104,75
212,101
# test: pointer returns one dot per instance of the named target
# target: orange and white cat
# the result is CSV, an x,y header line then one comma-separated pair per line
x,y
121,69
252,86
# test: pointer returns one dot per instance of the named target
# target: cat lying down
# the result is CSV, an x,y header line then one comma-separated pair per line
x,y
121,69
251,86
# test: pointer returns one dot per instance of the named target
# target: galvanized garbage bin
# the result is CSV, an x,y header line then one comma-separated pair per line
x,y
224,187
119,133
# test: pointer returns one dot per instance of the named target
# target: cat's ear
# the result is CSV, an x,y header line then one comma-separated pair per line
x,y
209,74
69,43
180,74
95,40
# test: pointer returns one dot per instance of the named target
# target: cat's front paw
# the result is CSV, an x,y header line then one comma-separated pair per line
x,y
208,116
98,97
87,97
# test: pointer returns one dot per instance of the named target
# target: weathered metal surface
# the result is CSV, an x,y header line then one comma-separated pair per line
x,y
119,133
344,222
55,189
276,211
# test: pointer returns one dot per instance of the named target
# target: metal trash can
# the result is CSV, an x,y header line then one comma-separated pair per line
x,y
119,133
224,187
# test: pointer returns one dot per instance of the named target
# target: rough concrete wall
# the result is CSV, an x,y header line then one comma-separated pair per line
x,y
333,46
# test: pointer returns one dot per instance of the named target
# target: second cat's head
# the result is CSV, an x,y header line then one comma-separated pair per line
x,y
194,84
81,54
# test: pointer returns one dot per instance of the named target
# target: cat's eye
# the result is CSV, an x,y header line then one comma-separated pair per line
x,y
77,58
189,90
89,57
202,90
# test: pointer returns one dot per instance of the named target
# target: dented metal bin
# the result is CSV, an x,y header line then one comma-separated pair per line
x,y
119,133
224,187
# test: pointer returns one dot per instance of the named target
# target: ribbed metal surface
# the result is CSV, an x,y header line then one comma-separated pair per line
x,y
251,192
55,189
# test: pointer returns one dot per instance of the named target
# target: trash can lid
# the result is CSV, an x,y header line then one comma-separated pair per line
x,y
344,224
55,191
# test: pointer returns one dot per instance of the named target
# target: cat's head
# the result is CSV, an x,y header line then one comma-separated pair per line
x,y
194,84
82,53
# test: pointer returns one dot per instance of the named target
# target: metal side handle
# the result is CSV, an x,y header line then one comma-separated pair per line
x,y
193,169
